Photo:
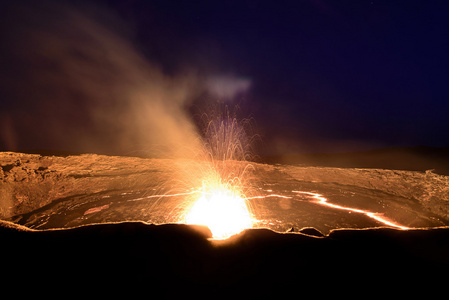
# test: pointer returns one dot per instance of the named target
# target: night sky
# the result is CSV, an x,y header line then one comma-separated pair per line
x,y
314,75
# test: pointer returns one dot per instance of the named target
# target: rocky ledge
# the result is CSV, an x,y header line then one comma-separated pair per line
x,y
170,261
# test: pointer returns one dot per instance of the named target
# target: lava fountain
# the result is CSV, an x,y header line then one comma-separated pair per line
x,y
222,205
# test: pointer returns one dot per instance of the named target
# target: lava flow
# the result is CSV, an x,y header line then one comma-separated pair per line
x,y
378,217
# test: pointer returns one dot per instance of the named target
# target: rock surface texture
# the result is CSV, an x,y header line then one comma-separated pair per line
x,y
31,181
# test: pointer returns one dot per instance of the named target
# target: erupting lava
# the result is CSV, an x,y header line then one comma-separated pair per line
x,y
223,169
225,213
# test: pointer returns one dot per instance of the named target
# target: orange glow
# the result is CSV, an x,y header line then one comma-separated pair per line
x,y
224,211
376,216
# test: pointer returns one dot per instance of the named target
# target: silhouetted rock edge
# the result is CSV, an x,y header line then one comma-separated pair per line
x,y
178,260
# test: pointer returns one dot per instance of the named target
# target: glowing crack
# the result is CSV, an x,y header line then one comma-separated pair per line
x,y
376,216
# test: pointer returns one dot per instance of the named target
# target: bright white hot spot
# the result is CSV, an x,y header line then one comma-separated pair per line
x,y
224,212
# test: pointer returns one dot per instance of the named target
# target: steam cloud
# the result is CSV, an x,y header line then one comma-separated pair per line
x,y
72,82
227,87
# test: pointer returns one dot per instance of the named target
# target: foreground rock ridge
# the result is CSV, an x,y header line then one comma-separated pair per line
x,y
178,260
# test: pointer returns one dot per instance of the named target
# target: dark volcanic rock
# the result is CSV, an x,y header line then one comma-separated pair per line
x,y
133,258
31,181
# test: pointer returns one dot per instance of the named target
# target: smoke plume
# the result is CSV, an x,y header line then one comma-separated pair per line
x,y
73,80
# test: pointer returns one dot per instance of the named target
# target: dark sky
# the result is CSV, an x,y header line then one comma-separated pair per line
x,y
316,75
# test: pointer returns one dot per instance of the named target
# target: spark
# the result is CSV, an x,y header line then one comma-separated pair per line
x,y
376,216
223,173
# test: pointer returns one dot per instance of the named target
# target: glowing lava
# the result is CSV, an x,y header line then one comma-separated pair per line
x,y
225,213
376,216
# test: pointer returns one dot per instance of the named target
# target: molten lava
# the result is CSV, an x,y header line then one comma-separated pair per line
x,y
376,216
224,211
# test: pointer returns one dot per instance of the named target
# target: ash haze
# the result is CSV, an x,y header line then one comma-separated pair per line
x,y
121,77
